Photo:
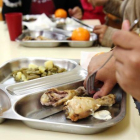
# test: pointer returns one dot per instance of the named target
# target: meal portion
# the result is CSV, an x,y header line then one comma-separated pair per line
x,y
82,107
75,107
27,38
80,34
60,13
33,71
55,97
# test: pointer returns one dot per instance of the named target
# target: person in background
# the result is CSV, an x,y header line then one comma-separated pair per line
x,y
92,13
73,7
119,9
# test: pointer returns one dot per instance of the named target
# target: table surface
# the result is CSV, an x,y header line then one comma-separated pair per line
x,y
128,128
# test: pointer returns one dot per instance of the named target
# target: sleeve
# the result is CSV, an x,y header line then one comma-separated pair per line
x,y
114,7
107,39
137,103
66,4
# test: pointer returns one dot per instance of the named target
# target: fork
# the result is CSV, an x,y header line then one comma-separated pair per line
x,y
91,79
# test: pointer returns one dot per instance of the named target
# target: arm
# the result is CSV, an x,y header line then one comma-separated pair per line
x,y
107,38
114,7
105,34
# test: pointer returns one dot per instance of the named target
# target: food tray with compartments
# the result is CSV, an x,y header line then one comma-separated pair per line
x,y
54,38
21,101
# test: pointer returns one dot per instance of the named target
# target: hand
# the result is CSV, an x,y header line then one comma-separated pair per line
x,y
127,55
106,75
98,2
75,12
100,31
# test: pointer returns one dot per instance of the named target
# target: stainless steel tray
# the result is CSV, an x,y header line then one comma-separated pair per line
x,y
59,36
23,107
20,101
15,64
37,84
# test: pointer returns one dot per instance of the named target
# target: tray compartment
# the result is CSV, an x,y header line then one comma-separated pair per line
x,y
30,104
7,68
5,102
55,38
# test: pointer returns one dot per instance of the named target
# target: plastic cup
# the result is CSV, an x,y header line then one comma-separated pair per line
x,y
14,23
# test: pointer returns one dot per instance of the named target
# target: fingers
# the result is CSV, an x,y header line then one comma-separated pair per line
x,y
120,36
126,25
76,9
121,54
98,27
105,89
75,12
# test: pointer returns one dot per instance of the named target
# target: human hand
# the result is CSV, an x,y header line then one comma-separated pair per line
x,y
106,75
75,12
100,31
98,2
127,55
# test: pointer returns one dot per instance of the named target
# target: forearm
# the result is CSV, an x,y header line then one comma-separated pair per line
x,y
107,39
113,7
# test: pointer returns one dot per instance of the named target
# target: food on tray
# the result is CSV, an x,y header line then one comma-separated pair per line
x,y
29,19
26,38
55,97
82,107
80,34
33,71
60,13
102,115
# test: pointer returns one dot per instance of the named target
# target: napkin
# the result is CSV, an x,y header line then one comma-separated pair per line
x,y
42,22
86,57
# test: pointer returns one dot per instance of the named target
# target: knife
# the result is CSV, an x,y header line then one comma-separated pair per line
x,y
45,112
77,20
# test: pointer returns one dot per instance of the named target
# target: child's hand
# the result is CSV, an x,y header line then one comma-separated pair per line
x,y
76,12
100,31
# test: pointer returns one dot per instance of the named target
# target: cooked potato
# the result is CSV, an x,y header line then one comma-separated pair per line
x,y
32,66
48,65
33,71
23,78
42,69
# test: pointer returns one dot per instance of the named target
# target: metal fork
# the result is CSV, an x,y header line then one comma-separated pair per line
x,y
91,79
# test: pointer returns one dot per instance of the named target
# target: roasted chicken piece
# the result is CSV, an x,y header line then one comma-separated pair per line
x,y
82,107
54,97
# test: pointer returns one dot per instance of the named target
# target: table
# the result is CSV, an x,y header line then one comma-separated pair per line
x,y
128,128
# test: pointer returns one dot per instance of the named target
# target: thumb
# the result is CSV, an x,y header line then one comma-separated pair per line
x,y
105,89
125,25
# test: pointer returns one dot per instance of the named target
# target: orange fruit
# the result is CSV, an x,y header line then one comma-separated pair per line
x,y
60,13
80,34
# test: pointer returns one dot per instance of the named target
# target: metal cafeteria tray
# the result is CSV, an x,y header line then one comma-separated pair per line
x,y
15,64
24,107
59,36
55,38
40,83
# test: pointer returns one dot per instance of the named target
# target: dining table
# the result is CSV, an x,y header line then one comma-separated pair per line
x,y
127,129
